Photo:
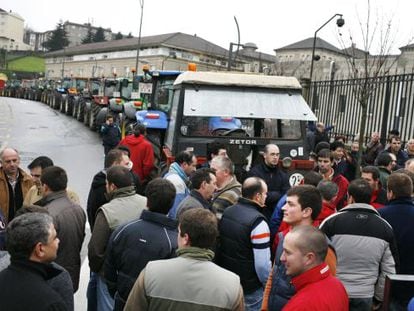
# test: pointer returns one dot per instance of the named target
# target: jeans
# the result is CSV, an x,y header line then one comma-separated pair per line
x,y
91,292
253,301
103,299
360,304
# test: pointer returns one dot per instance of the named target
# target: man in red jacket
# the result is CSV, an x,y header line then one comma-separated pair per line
x,y
372,175
325,166
304,252
142,154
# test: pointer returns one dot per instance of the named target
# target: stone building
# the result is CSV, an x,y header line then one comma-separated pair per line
x,y
11,31
171,51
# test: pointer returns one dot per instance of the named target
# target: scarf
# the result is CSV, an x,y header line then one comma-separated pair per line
x,y
196,253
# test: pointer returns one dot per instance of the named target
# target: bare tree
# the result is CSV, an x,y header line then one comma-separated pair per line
x,y
377,35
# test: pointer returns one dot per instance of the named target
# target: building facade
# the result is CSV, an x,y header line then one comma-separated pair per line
x,y
11,31
172,51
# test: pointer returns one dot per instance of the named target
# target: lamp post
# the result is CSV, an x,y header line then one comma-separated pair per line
x,y
141,4
339,22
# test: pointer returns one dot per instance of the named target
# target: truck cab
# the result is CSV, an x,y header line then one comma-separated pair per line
x,y
245,112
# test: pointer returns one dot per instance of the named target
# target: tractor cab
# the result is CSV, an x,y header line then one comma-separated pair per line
x,y
243,111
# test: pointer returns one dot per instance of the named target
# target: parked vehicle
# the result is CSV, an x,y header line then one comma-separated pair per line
x,y
243,111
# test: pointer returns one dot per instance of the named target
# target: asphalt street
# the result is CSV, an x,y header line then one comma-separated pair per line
x,y
34,129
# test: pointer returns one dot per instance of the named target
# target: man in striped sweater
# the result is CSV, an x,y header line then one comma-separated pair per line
x,y
245,241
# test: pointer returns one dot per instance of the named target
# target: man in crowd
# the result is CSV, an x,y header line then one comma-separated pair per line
x,y
304,252
410,148
228,188
214,149
178,174
111,134
325,166
204,185
14,183
374,147
214,289
35,193
32,243
276,224
69,218
142,154
124,205
399,213
365,247
276,180
134,244
245,241
395,149
385,163
302,207
97,193
372,175
328,190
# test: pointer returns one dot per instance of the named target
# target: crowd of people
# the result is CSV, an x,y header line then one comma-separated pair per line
x,y
199,239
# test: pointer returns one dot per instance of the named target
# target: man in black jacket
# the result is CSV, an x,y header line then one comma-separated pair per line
x,y
32,243
151,237
276,180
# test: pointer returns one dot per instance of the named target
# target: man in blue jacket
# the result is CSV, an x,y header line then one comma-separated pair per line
x,y
399,212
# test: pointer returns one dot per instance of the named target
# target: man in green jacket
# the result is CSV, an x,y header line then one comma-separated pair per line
x,y
202,285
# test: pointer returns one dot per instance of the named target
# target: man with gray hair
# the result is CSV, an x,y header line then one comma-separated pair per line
x,y
228,188
14,183
32,243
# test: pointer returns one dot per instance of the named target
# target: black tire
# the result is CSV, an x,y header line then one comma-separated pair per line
x,y
80,111
92,117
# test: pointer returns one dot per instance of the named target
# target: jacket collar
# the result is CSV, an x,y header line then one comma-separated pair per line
x,y
160,219
250,203
51,197
196,195
360,207
45,270
313,275
121,192
401,200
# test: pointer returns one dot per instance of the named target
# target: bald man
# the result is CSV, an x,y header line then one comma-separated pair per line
x,y
304,252
14,183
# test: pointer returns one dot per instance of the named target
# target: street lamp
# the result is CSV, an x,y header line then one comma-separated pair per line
x,y
339,22
141,4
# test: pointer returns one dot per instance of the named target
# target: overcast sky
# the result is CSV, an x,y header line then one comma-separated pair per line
x,y
270,24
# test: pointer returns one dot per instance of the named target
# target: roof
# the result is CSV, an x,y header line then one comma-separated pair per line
x,y
308,44
238,79
257,55
177,39
355,52
409,46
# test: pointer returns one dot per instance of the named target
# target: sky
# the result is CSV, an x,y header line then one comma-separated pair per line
x,y
270,24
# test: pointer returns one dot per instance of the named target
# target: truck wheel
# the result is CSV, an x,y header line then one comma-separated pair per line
x,y
92,116
80,112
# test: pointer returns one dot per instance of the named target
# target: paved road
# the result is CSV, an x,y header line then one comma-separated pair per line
x,y
34,129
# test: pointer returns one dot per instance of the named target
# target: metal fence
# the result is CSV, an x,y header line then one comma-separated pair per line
x,y
391,105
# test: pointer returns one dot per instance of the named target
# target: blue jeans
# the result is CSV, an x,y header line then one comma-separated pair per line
x,y
103,299
91,292
360,304
253,301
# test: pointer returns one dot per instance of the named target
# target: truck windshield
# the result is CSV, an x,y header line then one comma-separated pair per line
x,y
163,95
230,126
256,113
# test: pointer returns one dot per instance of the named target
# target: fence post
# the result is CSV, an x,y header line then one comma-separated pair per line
x,y
385,113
